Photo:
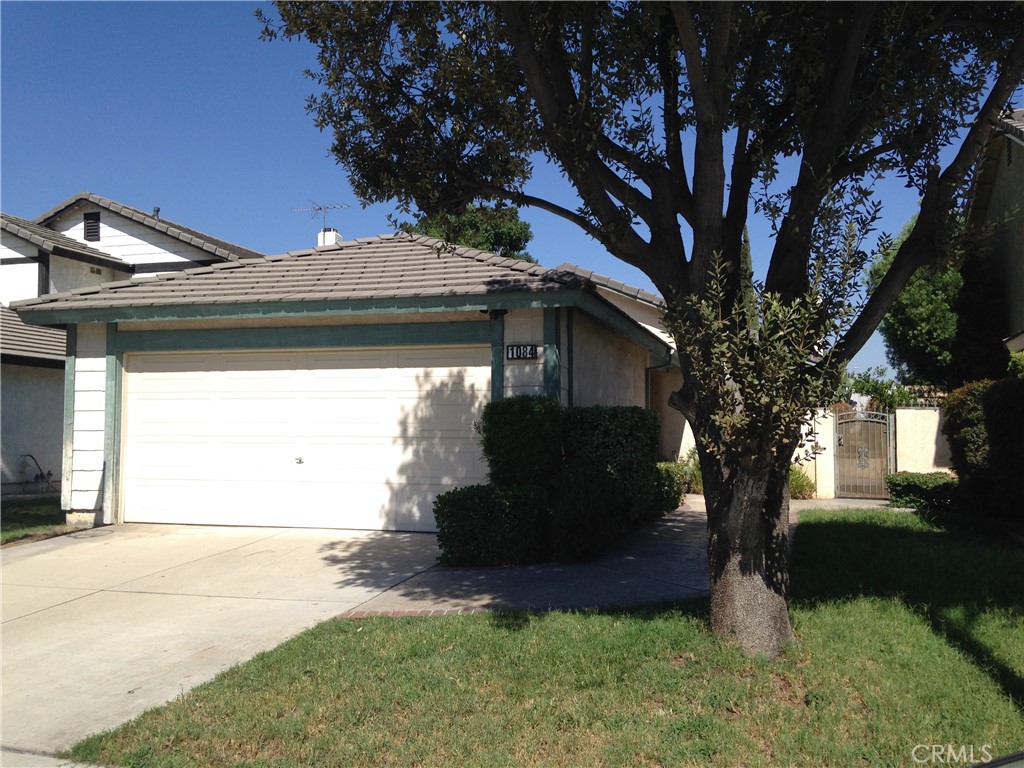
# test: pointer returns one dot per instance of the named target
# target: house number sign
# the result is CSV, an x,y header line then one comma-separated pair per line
x,y
520,351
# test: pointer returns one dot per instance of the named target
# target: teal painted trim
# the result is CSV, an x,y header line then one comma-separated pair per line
x,y
622,323
497,356
552,363
274,309
405,334
112,429
67,451
569,347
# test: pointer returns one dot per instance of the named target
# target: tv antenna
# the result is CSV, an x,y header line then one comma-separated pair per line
x,y
320,209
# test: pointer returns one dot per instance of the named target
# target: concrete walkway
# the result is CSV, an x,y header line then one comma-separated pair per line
x,y
101,625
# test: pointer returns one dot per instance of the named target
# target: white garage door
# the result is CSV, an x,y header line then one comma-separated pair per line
x,y
354,438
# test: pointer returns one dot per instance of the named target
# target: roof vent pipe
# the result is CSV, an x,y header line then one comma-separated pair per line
x,y
328,236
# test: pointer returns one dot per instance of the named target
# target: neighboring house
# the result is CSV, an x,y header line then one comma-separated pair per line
x,y
331,387
85,241
999,201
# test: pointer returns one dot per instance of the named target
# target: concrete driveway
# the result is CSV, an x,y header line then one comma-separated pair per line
x,y
102,625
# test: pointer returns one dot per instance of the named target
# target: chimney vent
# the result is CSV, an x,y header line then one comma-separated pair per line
x,y
328,236
156,211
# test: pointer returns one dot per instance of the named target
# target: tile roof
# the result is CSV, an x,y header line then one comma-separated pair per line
x,y
1012,123
220,248
17,338
383,267
612,284
50,241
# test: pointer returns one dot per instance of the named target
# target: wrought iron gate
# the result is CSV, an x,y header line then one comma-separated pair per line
x,y
864,454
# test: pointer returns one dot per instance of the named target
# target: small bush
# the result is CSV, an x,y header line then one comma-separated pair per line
x,y
1016,367
800,485
671,482
964,428
491,525
927,492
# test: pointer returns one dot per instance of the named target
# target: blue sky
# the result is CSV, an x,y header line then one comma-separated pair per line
x,y
180,105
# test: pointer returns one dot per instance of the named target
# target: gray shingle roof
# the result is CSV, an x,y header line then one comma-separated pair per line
x,y
21,340
383,267
213,245
612,284
54,242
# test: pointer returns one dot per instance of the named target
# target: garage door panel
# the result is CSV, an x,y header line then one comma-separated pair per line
x,y
325,438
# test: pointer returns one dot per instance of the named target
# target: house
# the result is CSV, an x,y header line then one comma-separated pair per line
x,y
331,387
85,241
999,201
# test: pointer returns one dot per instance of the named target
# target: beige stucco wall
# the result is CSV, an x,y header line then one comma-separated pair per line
x,y
68,274
920,444
608,369
525,377
822,468
32,421
676,434
87,450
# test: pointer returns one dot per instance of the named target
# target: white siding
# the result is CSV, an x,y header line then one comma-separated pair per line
x,y
18,281
126,239
87,458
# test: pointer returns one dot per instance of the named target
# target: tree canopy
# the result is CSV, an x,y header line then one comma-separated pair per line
x,y
497,229
674,122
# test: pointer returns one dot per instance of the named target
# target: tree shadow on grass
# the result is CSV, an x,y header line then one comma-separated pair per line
x,y
952,581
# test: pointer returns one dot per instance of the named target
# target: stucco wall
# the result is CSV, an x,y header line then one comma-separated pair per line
x,y
67,274
87,454
31,401
525,377
920,444
607,368
822,468
126,239
676,435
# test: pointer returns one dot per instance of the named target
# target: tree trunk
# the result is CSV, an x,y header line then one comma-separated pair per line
x,y
748,552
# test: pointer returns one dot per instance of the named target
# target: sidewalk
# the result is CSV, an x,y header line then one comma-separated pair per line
x,y
663,563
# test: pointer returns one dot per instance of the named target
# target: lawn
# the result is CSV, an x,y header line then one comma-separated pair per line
x,y
31,518
908,636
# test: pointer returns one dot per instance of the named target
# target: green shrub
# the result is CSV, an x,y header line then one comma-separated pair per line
x,y
694,482
926,492
671,482
800,485
491,525
568,481
620,442
1004,422
1016,368
521,440
964,427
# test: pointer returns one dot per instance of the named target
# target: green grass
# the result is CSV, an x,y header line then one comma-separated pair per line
x,y
31,517
907,636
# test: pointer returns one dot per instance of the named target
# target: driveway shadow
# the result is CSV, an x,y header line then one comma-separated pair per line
x,y
665,562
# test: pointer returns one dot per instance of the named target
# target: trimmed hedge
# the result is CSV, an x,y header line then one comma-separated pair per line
x,y
926,492
565,483
671,485
490,525
984,421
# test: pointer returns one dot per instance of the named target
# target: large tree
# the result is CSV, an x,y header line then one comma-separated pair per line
x,y
497,229
675,122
